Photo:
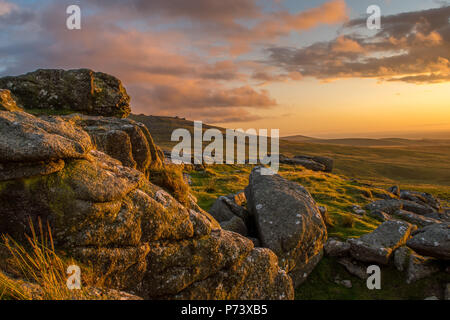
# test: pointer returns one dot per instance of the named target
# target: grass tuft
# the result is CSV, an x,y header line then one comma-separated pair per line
x,y
171,179
41,267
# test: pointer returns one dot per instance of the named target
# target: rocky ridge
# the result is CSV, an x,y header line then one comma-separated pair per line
x,y
416,242
68,91
105,212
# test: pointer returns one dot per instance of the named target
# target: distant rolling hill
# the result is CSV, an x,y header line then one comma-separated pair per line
x,y
161,128
367,142
385,161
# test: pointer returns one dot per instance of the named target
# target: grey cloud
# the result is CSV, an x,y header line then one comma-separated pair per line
x,y
411,47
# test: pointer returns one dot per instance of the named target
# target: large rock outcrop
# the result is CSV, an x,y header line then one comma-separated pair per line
x,y
123,139
288,222
30,146
432,241
61,91
111,217
379,245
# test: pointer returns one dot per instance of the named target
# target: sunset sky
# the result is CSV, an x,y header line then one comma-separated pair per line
x,y
306,67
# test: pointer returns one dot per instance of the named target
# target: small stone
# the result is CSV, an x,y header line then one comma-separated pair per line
x,y
336,248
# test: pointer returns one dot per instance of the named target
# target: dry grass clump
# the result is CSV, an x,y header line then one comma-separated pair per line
x,y
171,179
42,270
348,221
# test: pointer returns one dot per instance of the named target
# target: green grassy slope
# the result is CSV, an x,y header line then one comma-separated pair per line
x,y
337,193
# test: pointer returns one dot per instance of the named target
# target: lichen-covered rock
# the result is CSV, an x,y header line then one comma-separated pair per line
x,y
225,208
380,215
401,258
7,103
415,218
61,91
135,235
421,198
177,265
242,282
432,241
307,163
288,222
441,216
379,245
336,248
123,139
417,207
327,162
12,170
354,267
235,224
388,206
25,138
420,267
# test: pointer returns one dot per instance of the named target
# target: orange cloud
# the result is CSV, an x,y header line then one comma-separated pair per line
x,y
275,25
343,44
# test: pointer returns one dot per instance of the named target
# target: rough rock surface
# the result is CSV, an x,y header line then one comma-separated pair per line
x,y
401,258
304,162
422,198
327,162
379,245
441,216
7,103
354,267
420,267
81,90
288,222
235,224
432,241
225,208
387,206
336,248
243,281
25,138
417,207
415,218
380,215
110,216
128,141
